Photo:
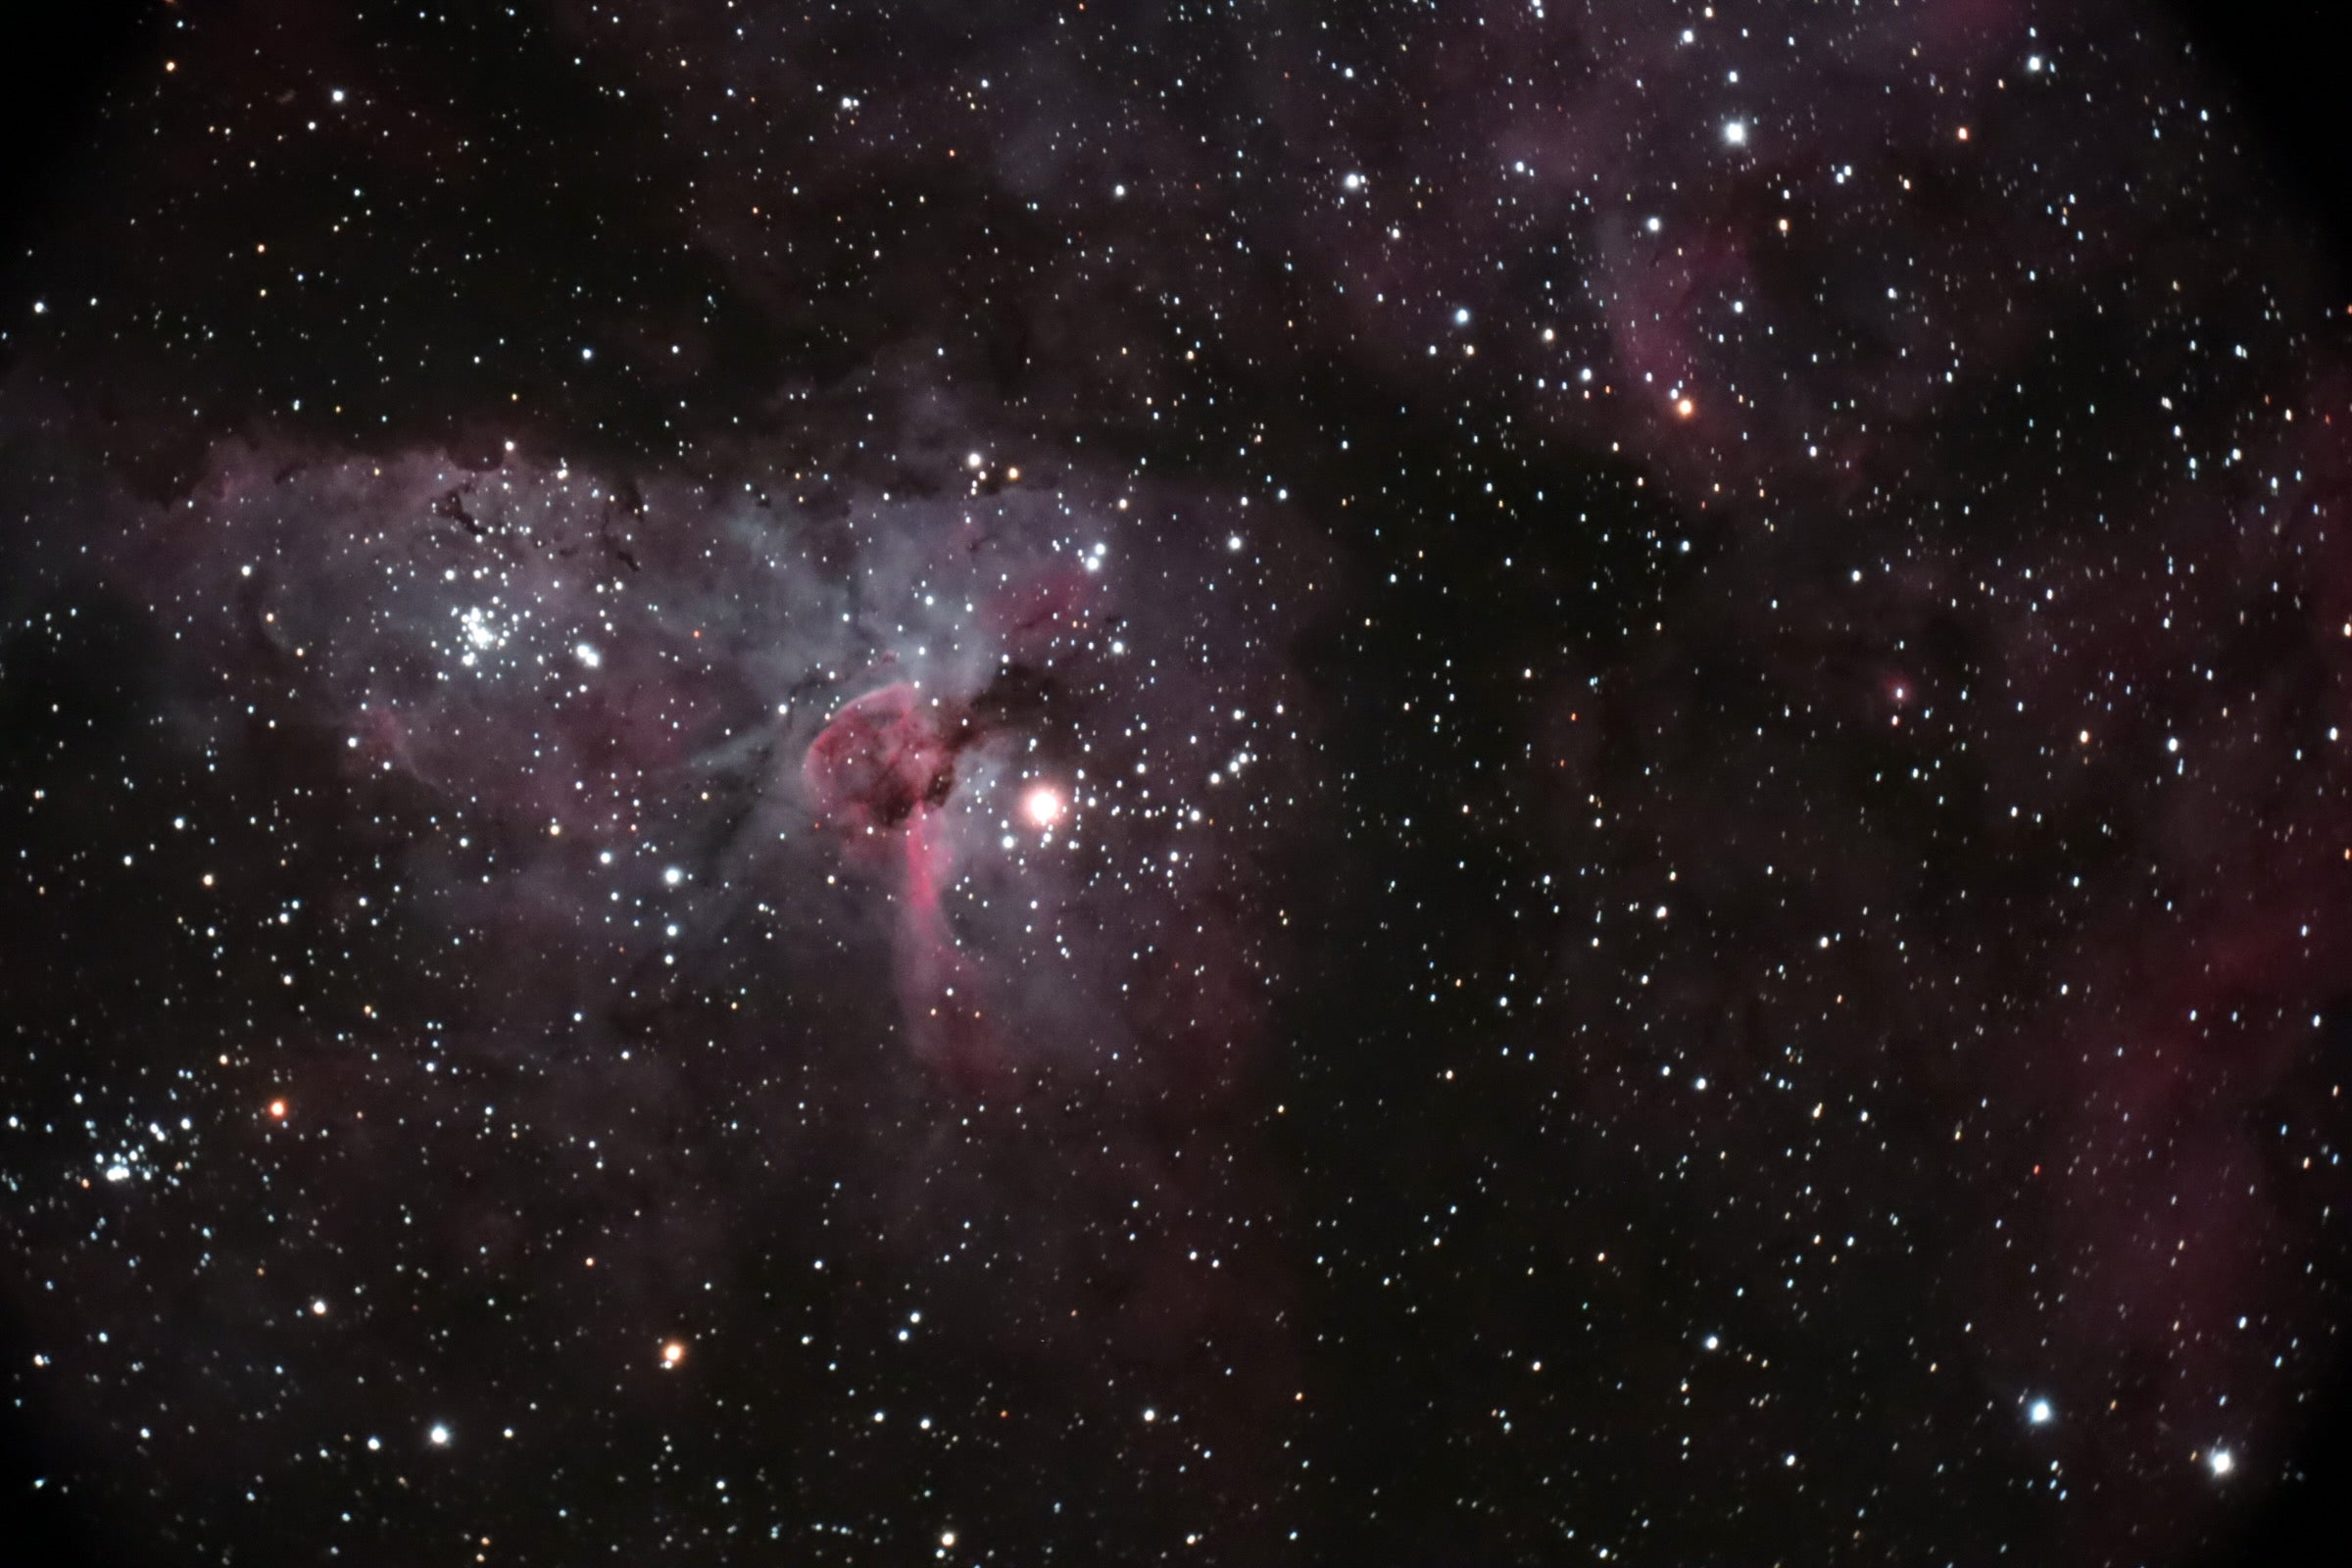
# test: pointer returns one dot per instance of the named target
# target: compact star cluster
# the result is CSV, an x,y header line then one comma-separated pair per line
x,y
1015,784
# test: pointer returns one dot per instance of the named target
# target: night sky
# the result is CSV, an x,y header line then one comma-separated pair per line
x,y
1461,782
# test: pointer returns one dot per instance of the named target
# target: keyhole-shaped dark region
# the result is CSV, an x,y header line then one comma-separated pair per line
x,y
883,756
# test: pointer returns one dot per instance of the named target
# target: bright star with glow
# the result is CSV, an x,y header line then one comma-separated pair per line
x,y
1043,805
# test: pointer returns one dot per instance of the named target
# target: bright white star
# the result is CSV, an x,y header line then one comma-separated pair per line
x,y
1042,804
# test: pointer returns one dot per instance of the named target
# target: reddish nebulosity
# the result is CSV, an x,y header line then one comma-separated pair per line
x,y
1051,605
883,756
384,741
884,766
939,984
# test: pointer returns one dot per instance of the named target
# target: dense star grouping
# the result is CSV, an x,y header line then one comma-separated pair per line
x,y
1505,782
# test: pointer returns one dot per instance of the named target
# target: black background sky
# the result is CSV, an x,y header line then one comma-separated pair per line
x,y
1594,977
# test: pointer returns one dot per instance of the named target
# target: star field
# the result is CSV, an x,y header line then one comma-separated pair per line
x,y
1245,783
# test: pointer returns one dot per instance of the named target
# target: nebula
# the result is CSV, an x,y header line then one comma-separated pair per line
x,y
878,774
883,758
978,782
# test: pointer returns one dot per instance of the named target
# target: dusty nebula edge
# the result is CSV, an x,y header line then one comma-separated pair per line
x,y
1014,785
